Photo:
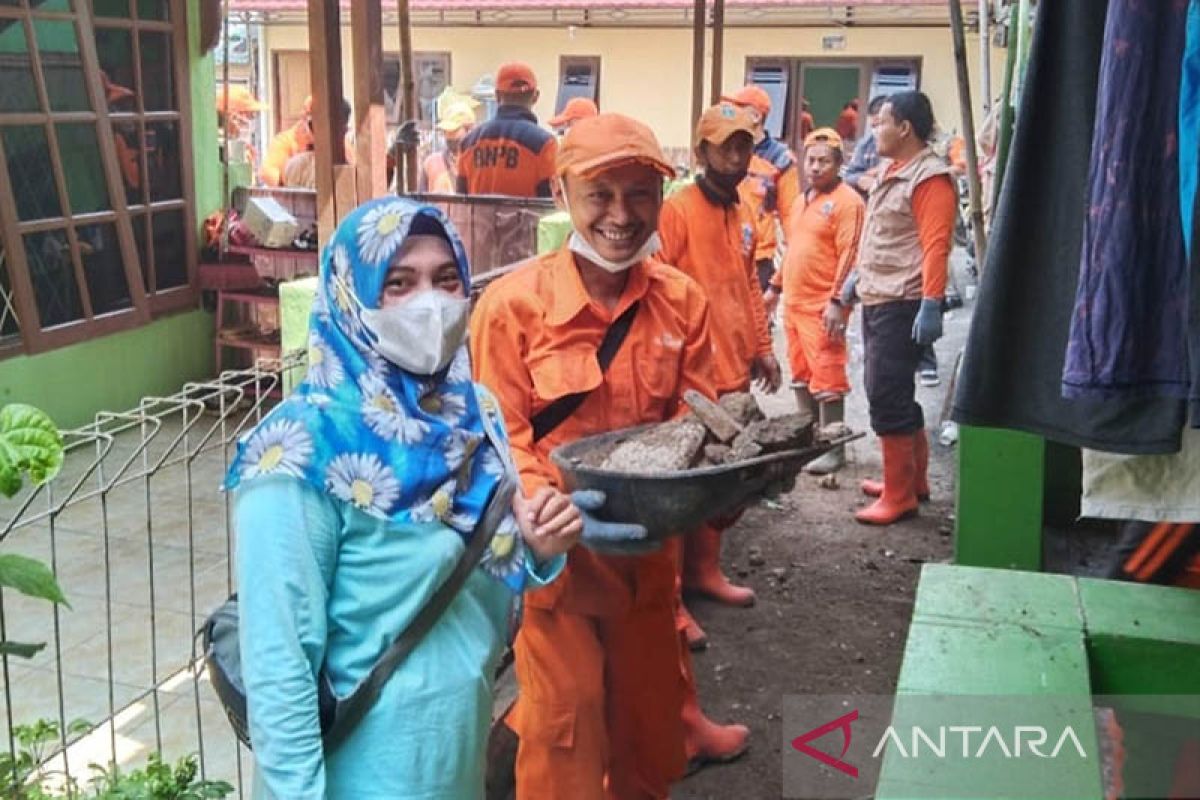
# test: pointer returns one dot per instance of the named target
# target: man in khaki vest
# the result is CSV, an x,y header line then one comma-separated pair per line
x,y
902,266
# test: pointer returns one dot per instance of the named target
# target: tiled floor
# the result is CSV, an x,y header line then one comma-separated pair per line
x,y
141,570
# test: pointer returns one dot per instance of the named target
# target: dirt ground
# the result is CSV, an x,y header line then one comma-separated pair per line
x,y
834,597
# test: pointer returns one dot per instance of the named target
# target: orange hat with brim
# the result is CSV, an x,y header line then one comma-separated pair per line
x,y
750,97
824,136
515,77
577,108
721,121
607,141
240,100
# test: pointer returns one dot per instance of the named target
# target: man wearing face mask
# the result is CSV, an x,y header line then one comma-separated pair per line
x,y
709,234
606,689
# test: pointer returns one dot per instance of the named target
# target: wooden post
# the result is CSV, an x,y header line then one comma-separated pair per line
x,y
968,120
370,116
408,93
718,49
325,71
699,12
985,54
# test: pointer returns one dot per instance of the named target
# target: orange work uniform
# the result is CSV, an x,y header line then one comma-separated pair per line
x,y
286,144
823,234
597,656
770,190
714,243
509,155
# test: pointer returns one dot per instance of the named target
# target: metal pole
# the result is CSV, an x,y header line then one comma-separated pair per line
x,y
985,54
699,12
408,89
968,120
718,49
223,243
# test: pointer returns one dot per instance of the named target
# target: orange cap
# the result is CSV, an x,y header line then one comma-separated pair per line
x,y
751,96
605,141
515,77
577,108
721,121
240,100
824,136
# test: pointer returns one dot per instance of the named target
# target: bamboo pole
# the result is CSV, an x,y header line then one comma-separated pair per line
x,y
370,123
718,50
968,121
408,93
699,12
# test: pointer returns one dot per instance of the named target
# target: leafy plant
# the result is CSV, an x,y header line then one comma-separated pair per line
x,y
30,443
23,777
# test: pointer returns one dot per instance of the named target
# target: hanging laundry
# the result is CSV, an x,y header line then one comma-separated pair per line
x,y
1013,365
1189,198
1128,333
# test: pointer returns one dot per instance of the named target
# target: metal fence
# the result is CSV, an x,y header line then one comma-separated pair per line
x,y
138,535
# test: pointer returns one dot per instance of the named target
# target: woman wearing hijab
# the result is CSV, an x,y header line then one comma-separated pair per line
x,y
355,498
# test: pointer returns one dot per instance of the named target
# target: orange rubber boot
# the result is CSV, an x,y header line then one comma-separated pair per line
x,y
705,741
702,569
697,639
897,500
874,488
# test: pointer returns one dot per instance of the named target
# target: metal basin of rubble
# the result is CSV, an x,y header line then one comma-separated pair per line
x,y
671,503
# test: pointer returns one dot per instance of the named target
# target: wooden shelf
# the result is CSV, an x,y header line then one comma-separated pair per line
x,y
275,252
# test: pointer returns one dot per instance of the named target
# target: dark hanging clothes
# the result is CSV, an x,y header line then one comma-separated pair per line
x,y
1189,198
1129,331
1012,369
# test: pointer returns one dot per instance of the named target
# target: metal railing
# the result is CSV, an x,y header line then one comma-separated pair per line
x,y
138,535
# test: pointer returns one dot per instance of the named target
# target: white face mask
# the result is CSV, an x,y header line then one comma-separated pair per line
x,y
581,247
423,334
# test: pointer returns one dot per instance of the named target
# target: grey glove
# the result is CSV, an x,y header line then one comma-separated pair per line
x,y
927,327
617,538
850,289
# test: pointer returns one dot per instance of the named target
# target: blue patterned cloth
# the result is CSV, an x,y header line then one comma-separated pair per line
x,y
397,446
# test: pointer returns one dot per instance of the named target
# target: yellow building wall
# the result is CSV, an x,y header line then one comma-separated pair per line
x,y
647,73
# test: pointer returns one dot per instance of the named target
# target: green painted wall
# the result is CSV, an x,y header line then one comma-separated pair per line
x,y
204,120
113,372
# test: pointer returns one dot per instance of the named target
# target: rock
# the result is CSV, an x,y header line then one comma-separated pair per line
x,y
723,426
834,430
741,406
781,433
829,481
780,574
663,448
717,453
871,565
744,448
755,557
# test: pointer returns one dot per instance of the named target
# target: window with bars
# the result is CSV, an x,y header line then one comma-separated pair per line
x,y
95,168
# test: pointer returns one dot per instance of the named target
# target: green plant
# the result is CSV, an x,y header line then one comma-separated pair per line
x,y
23,775
30,443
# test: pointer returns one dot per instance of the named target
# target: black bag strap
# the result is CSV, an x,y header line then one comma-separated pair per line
x,y
557,412
350,710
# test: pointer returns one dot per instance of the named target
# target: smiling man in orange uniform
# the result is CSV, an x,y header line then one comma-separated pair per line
x,y
772,183
598,656
823,233
709,234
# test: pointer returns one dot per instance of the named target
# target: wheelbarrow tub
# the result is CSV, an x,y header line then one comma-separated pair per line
x,y
672,503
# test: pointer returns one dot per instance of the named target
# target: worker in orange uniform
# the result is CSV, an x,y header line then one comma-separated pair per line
x,y
236,109
509,154
439,172
598,655
577,108
823,233
296,140
772,182
847,121
709,234
901,280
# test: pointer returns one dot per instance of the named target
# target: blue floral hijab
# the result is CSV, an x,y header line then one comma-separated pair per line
x,y
392,444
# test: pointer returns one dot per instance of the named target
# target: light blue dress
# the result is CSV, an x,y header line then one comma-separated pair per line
x,y
321,582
